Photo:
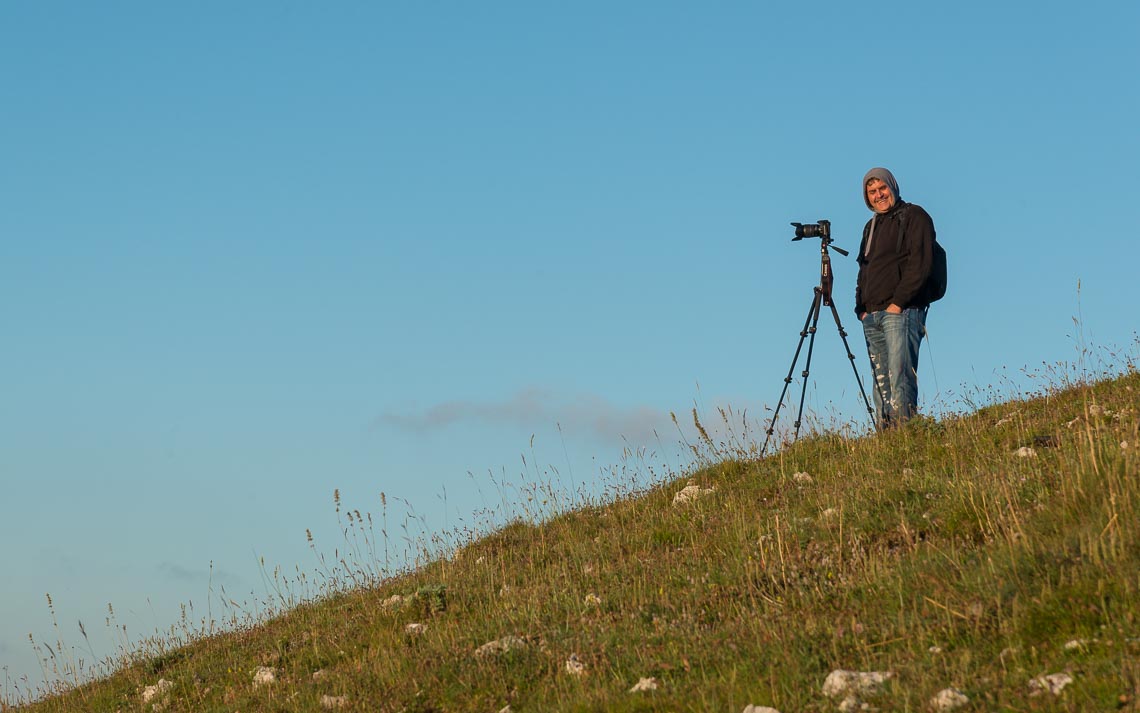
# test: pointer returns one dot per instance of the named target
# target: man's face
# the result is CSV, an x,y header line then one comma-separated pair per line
x,y
879,196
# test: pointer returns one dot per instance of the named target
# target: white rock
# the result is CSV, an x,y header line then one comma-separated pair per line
x,y
689,493
948,699
1076,644
864,683
414,629
320,675
1124,445
830,513
1026,452
802,477
645,684
935,649
1053,683
151,692
852,686
264,676
574,667
333,702
501,646
759,709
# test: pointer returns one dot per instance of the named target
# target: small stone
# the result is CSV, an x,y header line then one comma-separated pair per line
x,y
320,675
1076,644
1053,683
690,493
759,709
1026,452
829,513
501,646
802,477
1124,445
414,629
645,684
935,649
333,702
151,692
264,676
948,699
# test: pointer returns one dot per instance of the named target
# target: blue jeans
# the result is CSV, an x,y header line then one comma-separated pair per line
x,y
892,344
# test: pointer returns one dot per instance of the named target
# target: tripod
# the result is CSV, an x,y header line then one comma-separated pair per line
x,y
822,297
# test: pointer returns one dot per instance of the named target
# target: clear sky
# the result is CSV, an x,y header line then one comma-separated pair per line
x,y
252,252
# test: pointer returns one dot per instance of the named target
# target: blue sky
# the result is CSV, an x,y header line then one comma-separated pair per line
x,y
252,252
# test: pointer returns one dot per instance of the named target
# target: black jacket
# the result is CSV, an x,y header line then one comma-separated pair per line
x,y
894,274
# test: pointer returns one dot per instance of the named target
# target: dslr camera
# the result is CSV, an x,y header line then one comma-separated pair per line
x,y
822,229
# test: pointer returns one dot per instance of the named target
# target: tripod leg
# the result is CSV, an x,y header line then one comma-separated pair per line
x,y
807,364
851,358
813,311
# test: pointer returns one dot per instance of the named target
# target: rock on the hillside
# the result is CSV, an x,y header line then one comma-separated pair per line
x,y
852,686
1053,683
501,646
264,676
803,477
414,629
759,709
645,684
1026,452
330,703
151,692
948,699
689,493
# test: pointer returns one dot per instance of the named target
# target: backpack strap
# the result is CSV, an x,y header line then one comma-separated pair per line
x,y
902,226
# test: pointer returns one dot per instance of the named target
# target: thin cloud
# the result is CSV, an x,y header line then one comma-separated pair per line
x,y
537,408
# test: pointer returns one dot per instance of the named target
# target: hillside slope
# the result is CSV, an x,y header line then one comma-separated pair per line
x,y
978,553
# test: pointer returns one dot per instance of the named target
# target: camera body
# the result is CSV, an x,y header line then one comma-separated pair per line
x,y
822,229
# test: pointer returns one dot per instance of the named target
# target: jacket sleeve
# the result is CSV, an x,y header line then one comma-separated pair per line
x,y
917,257
860,305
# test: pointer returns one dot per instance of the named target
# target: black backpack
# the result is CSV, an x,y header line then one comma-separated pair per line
x,y
935,287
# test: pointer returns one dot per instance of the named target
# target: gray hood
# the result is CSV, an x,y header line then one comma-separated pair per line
x,y
886,177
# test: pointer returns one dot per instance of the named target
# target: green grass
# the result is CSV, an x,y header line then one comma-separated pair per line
x,y
934,551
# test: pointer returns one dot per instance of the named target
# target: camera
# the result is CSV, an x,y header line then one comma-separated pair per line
x,y
822,229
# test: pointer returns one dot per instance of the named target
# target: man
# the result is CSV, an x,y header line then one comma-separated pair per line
x,y
895,260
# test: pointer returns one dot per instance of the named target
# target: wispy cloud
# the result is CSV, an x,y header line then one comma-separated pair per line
x,y
535,408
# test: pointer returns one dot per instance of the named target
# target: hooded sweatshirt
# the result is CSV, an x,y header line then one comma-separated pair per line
x,y
890,273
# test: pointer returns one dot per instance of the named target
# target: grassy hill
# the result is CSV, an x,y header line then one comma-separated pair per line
x,y
978,553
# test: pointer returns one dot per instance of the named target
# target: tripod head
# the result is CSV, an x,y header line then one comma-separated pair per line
x,y
821,230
